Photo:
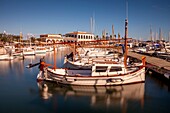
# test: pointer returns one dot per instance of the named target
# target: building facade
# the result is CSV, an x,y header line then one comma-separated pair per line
x,y
81,36
51,38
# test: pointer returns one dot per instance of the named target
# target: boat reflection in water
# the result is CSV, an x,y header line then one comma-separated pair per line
x,y
112,97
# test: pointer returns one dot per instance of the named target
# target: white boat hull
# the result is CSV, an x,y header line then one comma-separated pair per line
x,y
135,77
28,51
40,51
6,57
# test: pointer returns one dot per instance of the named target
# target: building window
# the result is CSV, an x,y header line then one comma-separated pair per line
x,y
101,68
78,36
113,69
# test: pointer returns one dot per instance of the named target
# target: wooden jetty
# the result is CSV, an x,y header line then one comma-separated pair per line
x,y
155,65
153,61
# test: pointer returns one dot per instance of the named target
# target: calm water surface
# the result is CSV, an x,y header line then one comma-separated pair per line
x,y
20,92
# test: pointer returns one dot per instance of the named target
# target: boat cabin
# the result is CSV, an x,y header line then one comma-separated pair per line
x,y
108,69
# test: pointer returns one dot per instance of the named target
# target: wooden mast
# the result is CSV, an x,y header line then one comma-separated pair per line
x,y
126,35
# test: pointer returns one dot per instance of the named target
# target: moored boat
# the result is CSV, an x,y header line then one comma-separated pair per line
x,y
6,57
28,51
49,48
40,50
101,74
86,63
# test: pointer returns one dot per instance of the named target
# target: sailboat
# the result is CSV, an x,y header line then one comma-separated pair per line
x,y
100,74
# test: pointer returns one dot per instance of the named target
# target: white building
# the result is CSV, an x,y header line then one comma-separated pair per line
x,y
51,38
81,36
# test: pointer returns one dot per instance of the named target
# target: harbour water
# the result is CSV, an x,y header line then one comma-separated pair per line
x,y
20,92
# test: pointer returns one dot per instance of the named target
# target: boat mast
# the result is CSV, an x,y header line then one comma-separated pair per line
x,y
74,52
20,37
54,57
126,36
113,34
169,38
151,33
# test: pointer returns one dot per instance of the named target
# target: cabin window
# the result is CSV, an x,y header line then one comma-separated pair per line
x,y
113,69
101,68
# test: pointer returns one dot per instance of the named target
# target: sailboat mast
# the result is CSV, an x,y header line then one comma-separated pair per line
x,y
168,37
113,36
20,37
151,33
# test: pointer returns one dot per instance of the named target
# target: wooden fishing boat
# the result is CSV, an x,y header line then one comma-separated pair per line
x,y
101,73
86,63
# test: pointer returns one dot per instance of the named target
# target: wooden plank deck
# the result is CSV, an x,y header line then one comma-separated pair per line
x,y
152,60
157,62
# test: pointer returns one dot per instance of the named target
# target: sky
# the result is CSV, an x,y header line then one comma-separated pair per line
x,y
62,16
